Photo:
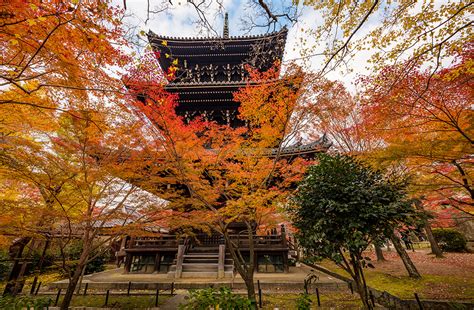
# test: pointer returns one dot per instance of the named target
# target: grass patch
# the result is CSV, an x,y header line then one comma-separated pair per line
x,y
119,302
429,286
333,300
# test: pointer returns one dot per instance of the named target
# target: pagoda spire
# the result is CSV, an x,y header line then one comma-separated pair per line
x,y
225,34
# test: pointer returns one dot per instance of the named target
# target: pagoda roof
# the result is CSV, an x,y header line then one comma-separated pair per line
x,y
191,59
156,38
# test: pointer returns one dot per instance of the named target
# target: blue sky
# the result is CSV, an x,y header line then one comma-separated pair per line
x,y
177,21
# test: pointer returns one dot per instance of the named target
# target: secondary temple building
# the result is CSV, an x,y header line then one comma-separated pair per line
x,y
204,73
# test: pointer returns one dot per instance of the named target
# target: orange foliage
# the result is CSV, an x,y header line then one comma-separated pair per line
x,y
427,123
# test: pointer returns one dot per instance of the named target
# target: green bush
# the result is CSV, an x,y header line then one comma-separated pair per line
x,y
291,262
209,298
48,261
24,302
5,265
450,240
96,265
303,302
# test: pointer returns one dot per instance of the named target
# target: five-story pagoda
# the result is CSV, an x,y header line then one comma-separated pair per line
x,y
204,73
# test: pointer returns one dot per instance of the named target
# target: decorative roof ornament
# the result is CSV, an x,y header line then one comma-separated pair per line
x,y
225,33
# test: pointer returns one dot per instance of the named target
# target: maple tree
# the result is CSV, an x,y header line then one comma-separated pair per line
x,y
78,171
429,127
334,111
219,175
424,33
58,49
63,143
425,121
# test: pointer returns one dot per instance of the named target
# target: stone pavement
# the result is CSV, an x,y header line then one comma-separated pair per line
x,y
117,279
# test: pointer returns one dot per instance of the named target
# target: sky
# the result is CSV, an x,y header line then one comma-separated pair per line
x,y
177,21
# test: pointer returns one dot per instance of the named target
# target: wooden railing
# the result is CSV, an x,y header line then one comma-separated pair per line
x,y
154,242
259,241
241,240
209,240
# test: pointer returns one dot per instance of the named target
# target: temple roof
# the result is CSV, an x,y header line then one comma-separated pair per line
x,y
222,59
153,37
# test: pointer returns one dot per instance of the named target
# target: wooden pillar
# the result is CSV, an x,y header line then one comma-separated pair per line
x,y
221,263
128,262
285,245
283,236
123,243
157,262
179,261
285,262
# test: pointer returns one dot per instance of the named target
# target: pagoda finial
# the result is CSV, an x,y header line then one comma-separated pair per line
x,y
225,35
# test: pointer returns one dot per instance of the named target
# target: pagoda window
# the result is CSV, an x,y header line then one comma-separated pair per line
x,y
270,263
205,74
143,263
221,73
166,261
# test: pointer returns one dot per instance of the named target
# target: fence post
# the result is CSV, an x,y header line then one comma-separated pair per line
x,y
420,305
85,289
37,288
172,288
260,302
129,286
33,285
57,297
107,297
317,297
372,298
156,297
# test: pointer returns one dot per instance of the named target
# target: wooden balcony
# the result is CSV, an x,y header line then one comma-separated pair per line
x,y
170,242
153,243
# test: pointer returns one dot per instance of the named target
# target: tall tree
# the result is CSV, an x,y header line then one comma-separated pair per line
x,y
220,174
57,48
426,122
425,33
341,207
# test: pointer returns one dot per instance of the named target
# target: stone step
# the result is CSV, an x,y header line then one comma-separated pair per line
x,y
205,267
201,255
204,249
227,274
206,260
202,267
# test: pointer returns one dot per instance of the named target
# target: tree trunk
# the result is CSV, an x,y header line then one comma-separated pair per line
x,y
434,245
79,284
361,286
251,292
435,249
362,291
245,270
76,276
71,287
410,267
379,253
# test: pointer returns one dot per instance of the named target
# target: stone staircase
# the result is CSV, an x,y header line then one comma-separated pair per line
x,y
203,262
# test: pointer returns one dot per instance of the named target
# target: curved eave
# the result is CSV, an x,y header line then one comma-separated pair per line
x,y
216,84
190,40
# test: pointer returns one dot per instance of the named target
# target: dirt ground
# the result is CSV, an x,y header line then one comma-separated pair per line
x,y
448,278
456,264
